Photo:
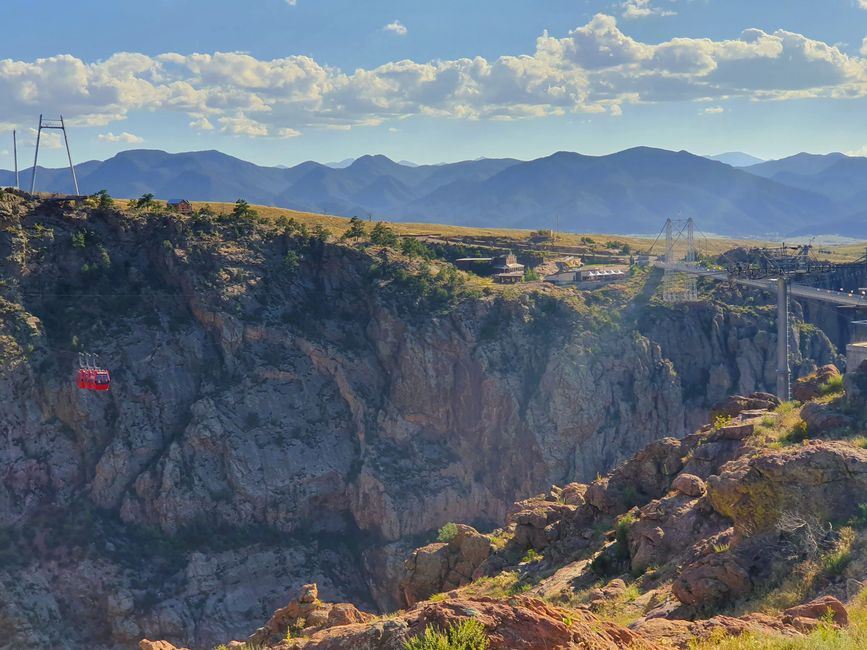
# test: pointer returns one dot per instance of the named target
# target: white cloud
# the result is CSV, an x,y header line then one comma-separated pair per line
x,y
862,4
861,152
595,68
864,44
126,137
644,8
396,27
713,110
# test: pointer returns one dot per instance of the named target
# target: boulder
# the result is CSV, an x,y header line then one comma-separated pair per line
x,y
442,566
689,485
808,388
822,480
645,476
712,580
816,610
144,644
734,405
535,524
306,612
669,527
821,418
573,494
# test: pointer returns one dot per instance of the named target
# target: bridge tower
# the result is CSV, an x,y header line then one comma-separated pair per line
x,y
60,126
678,286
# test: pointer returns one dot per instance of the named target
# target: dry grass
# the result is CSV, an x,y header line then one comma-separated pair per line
x,y
826,637
336,226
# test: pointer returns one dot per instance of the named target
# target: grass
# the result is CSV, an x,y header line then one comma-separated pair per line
x,y
826,637
466,635
783,427
832,386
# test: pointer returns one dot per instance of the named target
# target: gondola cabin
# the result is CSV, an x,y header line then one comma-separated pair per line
x,y
93,379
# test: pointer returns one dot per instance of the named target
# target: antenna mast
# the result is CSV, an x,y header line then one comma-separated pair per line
x,y
15,156
60,126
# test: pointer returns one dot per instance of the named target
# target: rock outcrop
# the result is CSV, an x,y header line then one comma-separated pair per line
x,y
272,425
444,566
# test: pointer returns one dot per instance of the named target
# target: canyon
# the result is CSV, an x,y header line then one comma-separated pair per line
x,y
288,407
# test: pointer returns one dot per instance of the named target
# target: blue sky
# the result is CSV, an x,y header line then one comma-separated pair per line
x,y
279,83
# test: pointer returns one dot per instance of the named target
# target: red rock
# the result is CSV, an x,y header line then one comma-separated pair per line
x,y
689,484
808,388
712,580
817,610
144,644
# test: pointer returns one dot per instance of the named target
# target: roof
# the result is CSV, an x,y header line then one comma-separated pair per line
x,y
475,259
176,201
511,274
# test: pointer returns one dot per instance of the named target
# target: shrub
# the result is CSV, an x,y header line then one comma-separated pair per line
x,y
79,239
382,235
292,261
531,556
833,385
466,635
105,202
355,231
412,247
720,421
448,532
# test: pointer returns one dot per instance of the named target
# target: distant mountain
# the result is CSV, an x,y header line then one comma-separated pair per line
x,y
346,162
841,178
630,191
736,159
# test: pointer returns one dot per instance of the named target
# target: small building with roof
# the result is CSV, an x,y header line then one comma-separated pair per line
x,y
181,205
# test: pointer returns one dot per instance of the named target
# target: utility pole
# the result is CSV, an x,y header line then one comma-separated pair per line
x,y
783,370
15,156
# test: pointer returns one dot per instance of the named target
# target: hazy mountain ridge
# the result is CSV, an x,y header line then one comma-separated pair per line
x,y
629,191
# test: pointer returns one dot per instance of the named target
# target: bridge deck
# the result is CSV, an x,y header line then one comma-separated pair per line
x,y
796,290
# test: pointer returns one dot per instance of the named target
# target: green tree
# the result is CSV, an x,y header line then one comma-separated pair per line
x,y
146,202
355,231
412,247
105,202
319,233
382,235
242,210
292,261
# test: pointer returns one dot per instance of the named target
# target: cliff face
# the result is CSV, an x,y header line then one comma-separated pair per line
x,y
281,418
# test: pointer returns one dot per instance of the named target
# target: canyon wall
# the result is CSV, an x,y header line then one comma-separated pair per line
x,y
289,409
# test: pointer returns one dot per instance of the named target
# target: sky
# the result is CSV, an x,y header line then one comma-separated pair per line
x,y
280,82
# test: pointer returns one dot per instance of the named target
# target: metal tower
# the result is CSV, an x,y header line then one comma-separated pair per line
x,y
59,125
678,286
15,156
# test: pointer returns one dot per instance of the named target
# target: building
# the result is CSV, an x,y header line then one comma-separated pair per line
x,y
507,270
600,275
181,205
562,277
477,265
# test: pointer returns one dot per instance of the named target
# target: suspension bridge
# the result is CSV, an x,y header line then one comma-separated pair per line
x,y
771,270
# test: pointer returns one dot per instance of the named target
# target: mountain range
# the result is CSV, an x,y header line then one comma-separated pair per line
x,y
631,191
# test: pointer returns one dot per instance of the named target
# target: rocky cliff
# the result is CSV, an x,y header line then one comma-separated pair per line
x,y
288,408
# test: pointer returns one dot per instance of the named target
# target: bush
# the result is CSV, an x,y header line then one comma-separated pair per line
x,y
292,261
79,239
466,635
532,556
833,385
382,235
448,532
355,231
412,247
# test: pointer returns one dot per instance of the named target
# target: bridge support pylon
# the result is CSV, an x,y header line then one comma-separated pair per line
x,y
784,372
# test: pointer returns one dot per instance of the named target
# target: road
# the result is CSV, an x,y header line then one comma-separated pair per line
x,y
795,290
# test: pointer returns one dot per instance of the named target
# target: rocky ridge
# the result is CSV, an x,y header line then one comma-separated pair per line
x,y
278,419
707,530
